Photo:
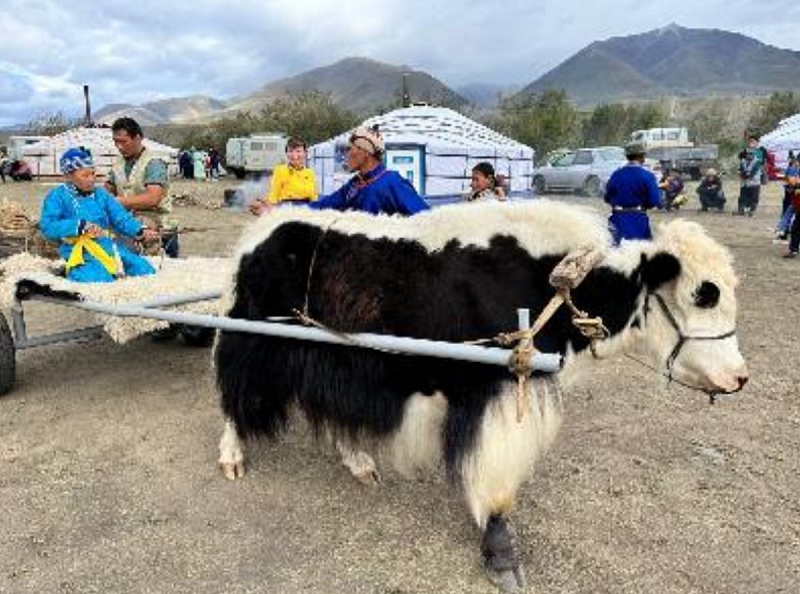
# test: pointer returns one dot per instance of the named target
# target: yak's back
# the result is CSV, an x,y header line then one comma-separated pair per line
x,y
541,227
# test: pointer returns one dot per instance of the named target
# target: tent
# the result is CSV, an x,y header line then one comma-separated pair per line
x,y
784,138
43,156
435,148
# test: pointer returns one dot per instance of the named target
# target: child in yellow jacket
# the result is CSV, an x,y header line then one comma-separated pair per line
x,y
291,182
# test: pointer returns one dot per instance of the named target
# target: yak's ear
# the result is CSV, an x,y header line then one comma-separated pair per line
x,y
661,268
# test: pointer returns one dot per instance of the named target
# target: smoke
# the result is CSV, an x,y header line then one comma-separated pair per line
x,y
247,193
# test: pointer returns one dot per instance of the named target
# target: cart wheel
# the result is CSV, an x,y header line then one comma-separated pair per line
x,y
197,336
8,364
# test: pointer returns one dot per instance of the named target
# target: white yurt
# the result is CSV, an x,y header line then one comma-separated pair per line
x,y
435,148
784,138
43,156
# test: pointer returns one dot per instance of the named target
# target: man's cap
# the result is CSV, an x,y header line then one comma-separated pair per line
x,y
634,149
368,139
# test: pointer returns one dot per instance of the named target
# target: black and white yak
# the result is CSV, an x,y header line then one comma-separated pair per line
x,y
457,273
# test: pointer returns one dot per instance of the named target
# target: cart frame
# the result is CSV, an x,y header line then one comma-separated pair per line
x,y
16,338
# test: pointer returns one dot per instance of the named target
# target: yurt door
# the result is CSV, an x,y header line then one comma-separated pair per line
x,y
408,161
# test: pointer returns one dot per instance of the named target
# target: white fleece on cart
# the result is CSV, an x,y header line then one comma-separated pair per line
x,y
180,276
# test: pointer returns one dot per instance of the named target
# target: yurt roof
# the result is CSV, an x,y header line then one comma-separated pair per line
x,y
438,126
99,140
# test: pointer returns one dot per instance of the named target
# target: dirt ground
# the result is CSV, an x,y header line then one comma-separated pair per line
x,y
109,482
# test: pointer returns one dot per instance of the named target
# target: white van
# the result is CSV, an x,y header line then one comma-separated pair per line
x,y
254,155
18,144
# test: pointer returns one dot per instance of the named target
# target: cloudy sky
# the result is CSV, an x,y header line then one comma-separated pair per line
x,y
142,50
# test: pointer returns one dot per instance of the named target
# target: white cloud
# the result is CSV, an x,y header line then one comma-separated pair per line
x,y
132,52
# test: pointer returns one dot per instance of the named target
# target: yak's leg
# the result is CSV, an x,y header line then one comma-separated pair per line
x,y
417,445
231,456
360,464
499,461
499,557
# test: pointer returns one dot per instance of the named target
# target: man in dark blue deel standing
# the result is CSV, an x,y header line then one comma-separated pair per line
x,y
631,191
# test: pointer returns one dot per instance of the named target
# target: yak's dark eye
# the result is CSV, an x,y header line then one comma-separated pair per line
x,y
706,295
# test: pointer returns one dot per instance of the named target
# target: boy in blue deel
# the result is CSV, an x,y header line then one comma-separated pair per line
x,y
85,219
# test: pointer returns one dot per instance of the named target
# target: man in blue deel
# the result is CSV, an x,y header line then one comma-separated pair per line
x,y
631,191
373,188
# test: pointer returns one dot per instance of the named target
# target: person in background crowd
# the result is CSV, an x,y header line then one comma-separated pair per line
x,y
631,191
794,231
501,186
216,159
751,172
198,164
672,186
207,166
791,184
374,188
710,192
484,184
292,181
86,219
185,164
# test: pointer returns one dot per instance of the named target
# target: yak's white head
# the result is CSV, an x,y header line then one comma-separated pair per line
x,y
688,316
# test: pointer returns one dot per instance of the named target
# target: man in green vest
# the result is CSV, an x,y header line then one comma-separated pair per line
x,y
140,181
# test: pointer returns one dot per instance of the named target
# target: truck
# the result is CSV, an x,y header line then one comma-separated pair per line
x,y
672,148
254,155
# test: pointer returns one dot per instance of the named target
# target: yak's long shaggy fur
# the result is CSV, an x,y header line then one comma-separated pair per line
x,y
454,274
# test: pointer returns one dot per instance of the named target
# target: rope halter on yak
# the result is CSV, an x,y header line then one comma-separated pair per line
x,y
682,340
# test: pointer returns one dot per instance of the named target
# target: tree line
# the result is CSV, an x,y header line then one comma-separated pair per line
x,y
549,121
545,121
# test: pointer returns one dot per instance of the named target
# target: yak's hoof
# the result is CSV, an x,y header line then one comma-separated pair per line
x,y
508,580
370,477
232,469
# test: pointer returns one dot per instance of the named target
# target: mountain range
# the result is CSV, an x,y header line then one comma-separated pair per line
x,y
360,84
671,61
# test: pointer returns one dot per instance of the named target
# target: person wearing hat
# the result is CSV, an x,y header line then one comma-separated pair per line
x,y
710,193
86,219
374,188
631,191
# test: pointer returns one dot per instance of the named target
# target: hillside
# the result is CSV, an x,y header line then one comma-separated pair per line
x,y
486,95
672,61
176,110
359,84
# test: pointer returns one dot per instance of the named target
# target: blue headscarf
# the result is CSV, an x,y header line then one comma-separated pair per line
x,y
74,159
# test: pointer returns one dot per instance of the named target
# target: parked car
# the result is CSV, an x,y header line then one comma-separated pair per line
x,y
583,170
